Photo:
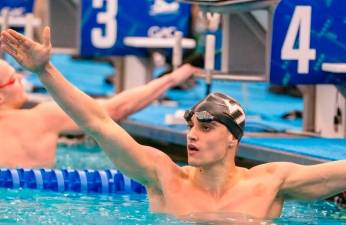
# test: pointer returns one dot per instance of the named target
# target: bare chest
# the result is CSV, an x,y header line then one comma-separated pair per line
x,y
255,199
23,145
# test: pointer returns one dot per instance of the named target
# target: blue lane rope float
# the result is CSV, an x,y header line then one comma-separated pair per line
x,y
84,181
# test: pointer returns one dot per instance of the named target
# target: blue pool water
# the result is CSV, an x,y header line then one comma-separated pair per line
x,y
82,156
36,207
24,206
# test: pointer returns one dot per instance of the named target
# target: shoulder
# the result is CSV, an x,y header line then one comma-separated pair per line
x,y
279,169
168,169
160,159
20,114
45,107
49,111
52,117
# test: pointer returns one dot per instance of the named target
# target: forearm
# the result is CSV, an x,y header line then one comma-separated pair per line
x,y
317,181
333,175
85,111
133,100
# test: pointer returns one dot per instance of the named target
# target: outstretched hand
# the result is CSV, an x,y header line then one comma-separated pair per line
x,y
30,54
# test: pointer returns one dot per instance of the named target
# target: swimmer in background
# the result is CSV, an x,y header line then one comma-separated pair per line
x,y
211,182
29,136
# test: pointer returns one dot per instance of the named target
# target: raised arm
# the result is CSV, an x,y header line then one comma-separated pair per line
x,y
132,158
129,101
119,106
315,181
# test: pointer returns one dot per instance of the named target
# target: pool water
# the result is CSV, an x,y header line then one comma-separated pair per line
x,y
39,207
35,207
24,206
82,156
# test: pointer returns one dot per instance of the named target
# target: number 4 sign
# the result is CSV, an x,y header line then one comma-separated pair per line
x,y
306,35
300,25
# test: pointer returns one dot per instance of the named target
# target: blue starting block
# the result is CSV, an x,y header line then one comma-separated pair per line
x,y
308,42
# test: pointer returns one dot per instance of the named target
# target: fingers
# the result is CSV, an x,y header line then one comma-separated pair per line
x,y
8,38
46,36
8,43
18,40
9,49
22,41
15,34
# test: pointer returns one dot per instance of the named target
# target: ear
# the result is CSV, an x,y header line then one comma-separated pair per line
x,y
232,141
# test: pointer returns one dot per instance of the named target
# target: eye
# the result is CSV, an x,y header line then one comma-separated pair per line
x,y
206,128
189,126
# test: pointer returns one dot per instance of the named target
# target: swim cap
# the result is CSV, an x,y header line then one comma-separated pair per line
x,y
221,108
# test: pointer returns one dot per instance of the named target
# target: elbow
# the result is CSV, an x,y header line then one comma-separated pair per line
x,y
116,113
117,110
120,112
131,107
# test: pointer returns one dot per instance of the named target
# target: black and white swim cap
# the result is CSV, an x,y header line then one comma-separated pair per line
x,y
221,108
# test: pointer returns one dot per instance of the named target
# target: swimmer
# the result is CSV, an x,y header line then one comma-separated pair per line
x,y
29,136
211,182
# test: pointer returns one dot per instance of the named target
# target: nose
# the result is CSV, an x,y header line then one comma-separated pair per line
x,y
191,135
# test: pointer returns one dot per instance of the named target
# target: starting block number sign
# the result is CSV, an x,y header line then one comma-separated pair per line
x,y
18,7
105,23
308,34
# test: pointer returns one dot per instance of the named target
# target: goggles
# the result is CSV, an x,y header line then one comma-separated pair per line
x,y
225,119
203,116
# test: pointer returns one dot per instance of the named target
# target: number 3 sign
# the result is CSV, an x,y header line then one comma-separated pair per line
x,y
306,35
105,23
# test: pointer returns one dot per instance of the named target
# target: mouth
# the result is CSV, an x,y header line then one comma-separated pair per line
x,y
192,148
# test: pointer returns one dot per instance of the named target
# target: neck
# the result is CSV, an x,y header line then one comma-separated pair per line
x,y
217,179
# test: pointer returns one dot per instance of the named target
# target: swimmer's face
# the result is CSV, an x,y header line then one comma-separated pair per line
x,y
207,142
11,87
